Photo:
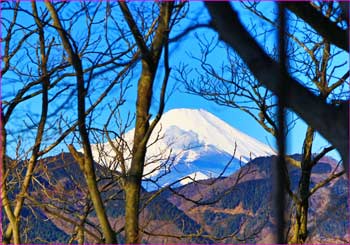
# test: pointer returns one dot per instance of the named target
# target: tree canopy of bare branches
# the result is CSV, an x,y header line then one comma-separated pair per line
x,y
334,125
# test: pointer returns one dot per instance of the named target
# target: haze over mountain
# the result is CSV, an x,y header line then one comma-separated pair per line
x,y
189,142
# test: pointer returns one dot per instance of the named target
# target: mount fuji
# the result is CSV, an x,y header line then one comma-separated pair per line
x,y
187,145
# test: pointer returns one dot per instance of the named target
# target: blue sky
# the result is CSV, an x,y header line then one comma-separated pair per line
x,y
235,117
238,119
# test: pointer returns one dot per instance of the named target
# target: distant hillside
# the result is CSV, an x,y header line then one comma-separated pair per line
x,y
236,208
247,207
68,185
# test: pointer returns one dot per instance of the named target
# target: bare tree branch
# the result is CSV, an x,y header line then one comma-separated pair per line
x,y
323,25
334,124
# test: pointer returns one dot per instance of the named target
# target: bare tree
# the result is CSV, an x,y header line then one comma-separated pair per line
x,y
47,75
151,54
86,162
88,62
150,46
311,58
43,78
301,100
74,76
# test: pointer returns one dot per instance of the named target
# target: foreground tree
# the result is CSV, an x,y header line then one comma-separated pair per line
x,y
301,100
312,60
70,74
150,56
86,162
57,53
150,46
35,84
46,74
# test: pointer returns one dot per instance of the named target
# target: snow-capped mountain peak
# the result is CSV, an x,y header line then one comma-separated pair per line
x,y
211,130
193,141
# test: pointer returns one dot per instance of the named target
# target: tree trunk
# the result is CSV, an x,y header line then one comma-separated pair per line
x,y
132,199
304,205
86,163
80,235
90,177
133,180
299,229
150,59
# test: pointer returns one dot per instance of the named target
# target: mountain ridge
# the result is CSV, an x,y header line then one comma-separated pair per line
x,y
239,202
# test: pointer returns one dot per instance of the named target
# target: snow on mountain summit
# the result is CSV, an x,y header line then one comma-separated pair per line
x,y
213,131
195,141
